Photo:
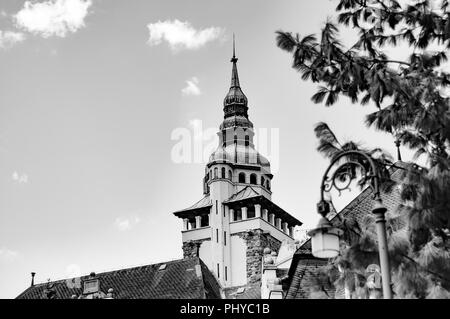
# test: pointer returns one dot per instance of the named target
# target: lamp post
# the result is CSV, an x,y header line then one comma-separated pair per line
x,y
325,238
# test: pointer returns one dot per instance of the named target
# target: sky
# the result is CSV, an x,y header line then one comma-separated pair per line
x,y
91,93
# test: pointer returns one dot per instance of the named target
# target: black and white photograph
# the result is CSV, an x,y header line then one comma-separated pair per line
x,y
240,151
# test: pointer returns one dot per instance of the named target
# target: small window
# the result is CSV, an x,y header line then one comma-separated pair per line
x,y
216,171
253,179
263,180
224,238
226,273
217,235
218,272
247,140
217,208
268,184
240,290
162,267
224,138
230,175
241,177
223,172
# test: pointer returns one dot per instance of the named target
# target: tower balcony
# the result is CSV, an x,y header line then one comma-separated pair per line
x,y
259,223
201,233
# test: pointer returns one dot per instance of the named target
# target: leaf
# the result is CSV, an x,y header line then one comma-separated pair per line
x,y
320,95
285,41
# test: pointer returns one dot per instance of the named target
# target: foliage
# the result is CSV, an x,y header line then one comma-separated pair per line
x,y
410,97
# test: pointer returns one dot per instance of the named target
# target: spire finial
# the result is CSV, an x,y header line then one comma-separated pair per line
x,y
399,154
234,59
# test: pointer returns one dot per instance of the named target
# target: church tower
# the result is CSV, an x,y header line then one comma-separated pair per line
x,y
236,219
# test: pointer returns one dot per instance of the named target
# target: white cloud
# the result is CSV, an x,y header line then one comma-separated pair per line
x,y
7,255
9,38
181,35
126,223
191,87
20,178
53,17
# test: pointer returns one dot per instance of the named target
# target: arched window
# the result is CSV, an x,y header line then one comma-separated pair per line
x,y
241,177
247,140
223,173
230,175
216,171
253,179
263,180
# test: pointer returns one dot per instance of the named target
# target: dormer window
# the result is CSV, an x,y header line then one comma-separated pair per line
x,y
162,267
91,286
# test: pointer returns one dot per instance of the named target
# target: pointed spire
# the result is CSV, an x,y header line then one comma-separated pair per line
x,y
234,50
234,74
235,102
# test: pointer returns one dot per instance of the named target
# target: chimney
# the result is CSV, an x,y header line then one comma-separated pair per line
x,y
32,278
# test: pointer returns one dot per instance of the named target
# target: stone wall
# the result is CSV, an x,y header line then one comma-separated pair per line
x,y
191,248
256,241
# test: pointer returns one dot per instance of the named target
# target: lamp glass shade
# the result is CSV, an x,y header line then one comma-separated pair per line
x,y
325,243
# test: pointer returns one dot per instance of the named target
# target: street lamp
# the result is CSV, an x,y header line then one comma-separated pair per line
x,y
325,238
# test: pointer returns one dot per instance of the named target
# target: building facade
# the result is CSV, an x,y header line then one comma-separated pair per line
x,y
236,219
227,236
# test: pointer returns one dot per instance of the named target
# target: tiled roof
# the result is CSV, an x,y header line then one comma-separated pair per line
x,y
306,272
248,196
201,204
304,264
247,192
180,279
252,291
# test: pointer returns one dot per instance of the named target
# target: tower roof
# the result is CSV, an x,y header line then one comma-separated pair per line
x,y
235,102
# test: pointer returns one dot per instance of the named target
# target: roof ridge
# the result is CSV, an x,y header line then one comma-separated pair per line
x,y
43,283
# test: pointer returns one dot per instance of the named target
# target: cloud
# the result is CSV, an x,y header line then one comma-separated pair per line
x,y
53,17
191,87
20,178
181,35
9,38
7,255
124,223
